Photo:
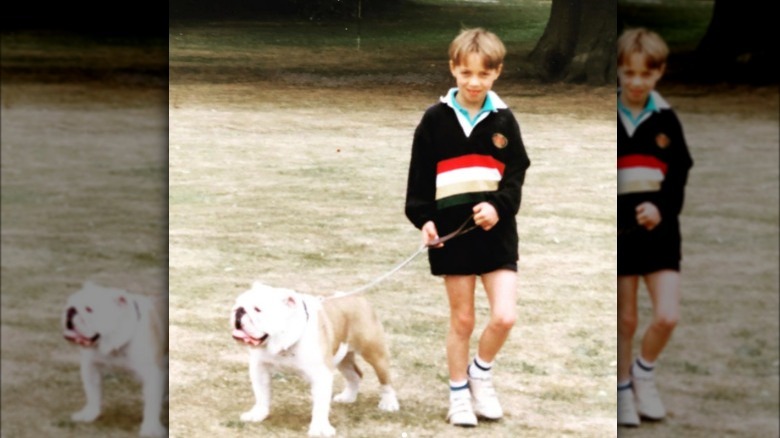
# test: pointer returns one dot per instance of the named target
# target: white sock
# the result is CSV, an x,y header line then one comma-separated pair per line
x,y
479,369
642,368
459,389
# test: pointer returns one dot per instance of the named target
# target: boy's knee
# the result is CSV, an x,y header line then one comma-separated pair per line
x,y
463,324
503,321
666,322
627,324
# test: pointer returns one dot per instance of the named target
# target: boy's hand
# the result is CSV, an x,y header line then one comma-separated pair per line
x,y
429,233
647,215
485,215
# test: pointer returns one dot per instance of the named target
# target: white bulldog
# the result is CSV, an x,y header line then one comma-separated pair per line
x,y
119,329
284,328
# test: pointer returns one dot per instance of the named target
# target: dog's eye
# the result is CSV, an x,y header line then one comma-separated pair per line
x,y
88,309
257,310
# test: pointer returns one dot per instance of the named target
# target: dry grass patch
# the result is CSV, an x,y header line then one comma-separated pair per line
x,y
82,198
303,188
719,373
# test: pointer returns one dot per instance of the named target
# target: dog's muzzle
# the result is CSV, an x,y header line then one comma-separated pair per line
x,y
240,334
73,335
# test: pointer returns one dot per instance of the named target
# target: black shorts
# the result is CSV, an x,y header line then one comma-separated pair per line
x,y
476,252
642,252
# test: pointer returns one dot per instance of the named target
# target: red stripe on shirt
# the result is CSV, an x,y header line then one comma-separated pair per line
x,y
472,160
637,160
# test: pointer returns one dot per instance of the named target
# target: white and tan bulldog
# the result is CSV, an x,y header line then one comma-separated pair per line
x,y
287,329
119,329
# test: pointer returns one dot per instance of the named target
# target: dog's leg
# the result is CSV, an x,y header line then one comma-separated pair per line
x,y
352,375
91,379
377,356
321,391
261,386
154,390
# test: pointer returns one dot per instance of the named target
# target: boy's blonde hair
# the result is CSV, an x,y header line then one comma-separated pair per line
x,y
646,42
486,44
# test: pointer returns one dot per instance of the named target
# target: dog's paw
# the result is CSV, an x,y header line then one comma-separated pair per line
x,y
86,415
321,430
346,396
389,403
256,415
153,430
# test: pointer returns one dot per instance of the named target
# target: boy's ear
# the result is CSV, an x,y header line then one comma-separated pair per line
x,y
499,69
452,67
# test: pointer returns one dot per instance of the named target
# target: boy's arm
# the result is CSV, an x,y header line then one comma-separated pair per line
x,y
421,182
673,187
507,198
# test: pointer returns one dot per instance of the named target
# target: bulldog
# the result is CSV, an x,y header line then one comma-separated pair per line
x,y
286,329
115,328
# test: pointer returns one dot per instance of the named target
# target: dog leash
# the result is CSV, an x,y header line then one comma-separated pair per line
x,y
463,229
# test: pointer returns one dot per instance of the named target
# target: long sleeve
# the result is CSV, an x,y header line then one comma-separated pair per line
x,y
673,187
421,182
509,194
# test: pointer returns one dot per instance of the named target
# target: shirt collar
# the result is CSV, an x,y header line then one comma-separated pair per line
x,y
654,103
492,103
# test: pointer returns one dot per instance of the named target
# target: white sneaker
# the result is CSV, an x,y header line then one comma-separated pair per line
x,y
626,409
648,402
486,403
461,413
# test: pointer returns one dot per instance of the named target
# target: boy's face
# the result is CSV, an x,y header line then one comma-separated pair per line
x,y
637,79
474,80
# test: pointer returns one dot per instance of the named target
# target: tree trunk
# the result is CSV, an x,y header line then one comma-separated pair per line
x,y
578,44
740,43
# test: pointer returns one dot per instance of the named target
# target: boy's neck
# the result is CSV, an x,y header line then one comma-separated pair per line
x,y
633,108
472,109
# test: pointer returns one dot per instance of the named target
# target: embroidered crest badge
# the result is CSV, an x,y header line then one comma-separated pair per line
x,y
662,140
499,140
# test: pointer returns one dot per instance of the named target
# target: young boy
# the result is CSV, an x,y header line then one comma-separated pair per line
x,y
468,159
653,163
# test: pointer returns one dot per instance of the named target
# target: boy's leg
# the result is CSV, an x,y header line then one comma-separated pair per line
x,y
460,292
664,289
501,289
627,323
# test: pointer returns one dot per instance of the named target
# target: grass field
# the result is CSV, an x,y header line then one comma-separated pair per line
x,y
719,373
311,198
287,151
288,165
83,197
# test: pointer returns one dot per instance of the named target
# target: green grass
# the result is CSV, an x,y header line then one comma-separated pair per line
x,y
413,43
681,23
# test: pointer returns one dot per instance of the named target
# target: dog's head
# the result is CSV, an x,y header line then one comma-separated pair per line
x,y
264,313
98,316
